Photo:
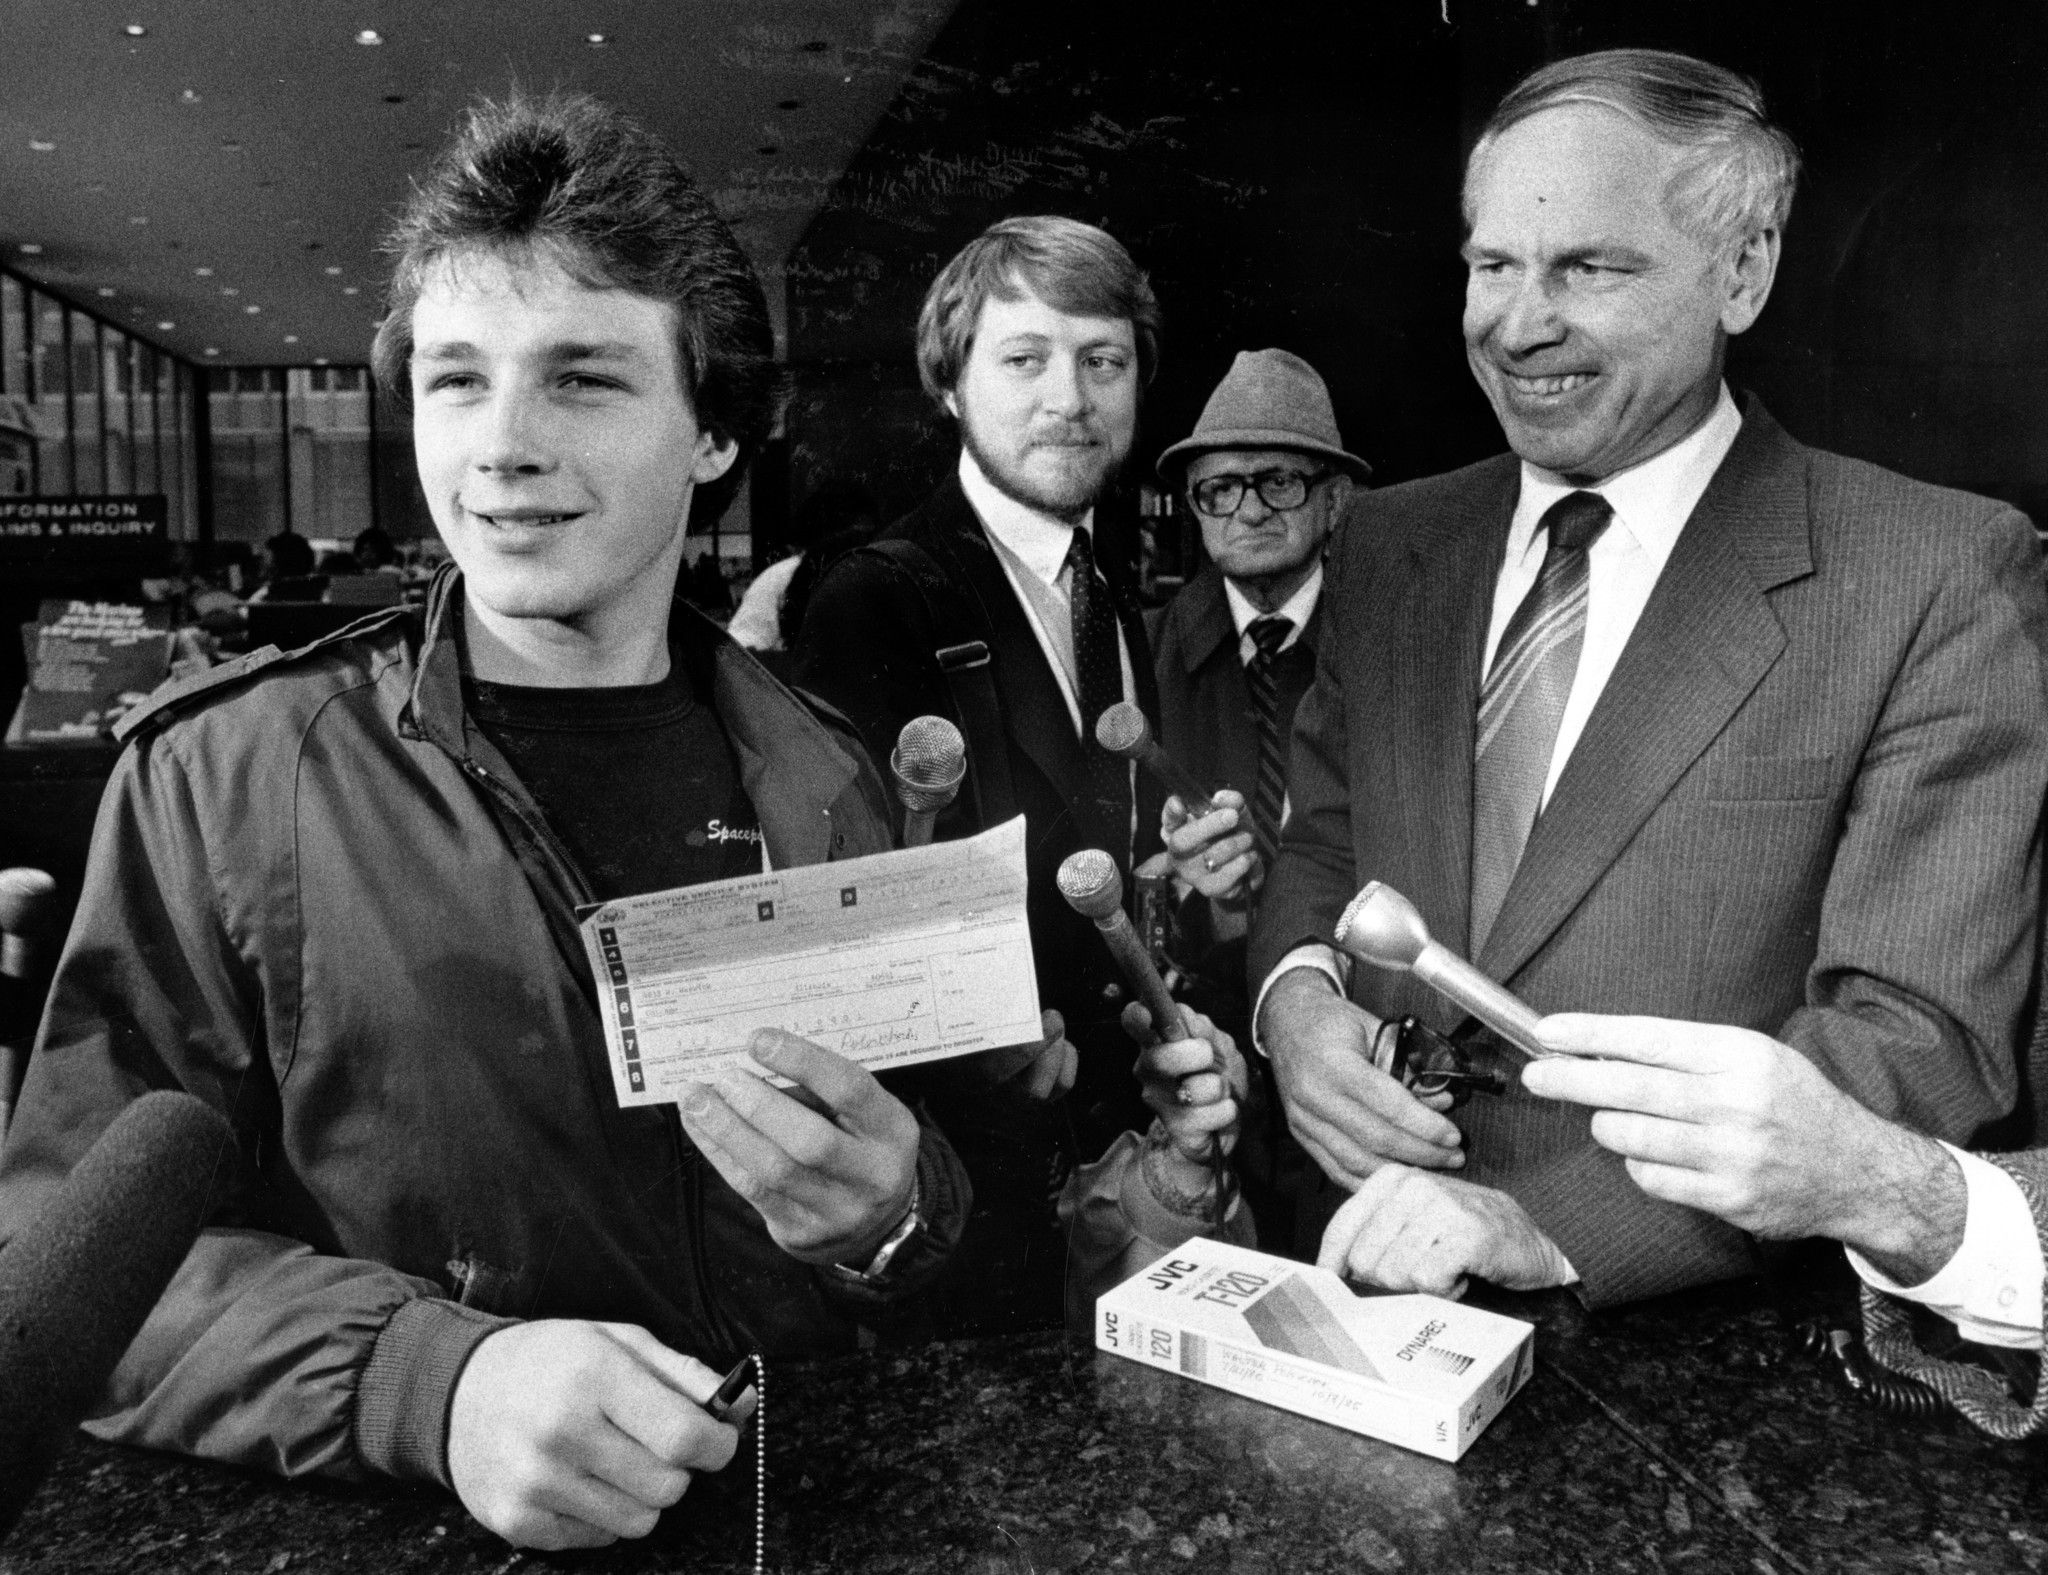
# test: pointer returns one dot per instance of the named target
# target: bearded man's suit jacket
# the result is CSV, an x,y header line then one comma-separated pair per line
x,y
870,653
1808,802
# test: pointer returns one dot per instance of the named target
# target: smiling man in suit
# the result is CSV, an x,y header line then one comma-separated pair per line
x,y
993,606
1662,714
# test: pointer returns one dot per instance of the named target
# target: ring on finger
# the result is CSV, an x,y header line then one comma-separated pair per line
x,y
1209,864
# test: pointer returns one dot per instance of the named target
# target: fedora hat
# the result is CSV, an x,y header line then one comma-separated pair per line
x,y
1268,399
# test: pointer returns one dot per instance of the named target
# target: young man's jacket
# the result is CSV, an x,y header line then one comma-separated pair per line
x,y
319,900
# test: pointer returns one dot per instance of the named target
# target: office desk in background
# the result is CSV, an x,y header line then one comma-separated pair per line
x,y
1688,1435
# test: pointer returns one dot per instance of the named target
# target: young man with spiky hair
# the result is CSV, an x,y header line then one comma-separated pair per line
x,y
333,893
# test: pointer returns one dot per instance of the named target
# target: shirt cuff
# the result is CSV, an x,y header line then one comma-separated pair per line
x,y
1991,1288
1326,960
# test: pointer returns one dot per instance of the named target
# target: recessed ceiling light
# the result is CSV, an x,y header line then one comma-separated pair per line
x,y
349,289
291,339
203,273
330,269
252,310
369,36
136,30
38,145
165,327
188,97
594,40
213,350
106,291
31,249
846,78
138,218
228,289
319,360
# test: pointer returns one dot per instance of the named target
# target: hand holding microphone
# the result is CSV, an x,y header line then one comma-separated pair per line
x,y
928,764
1092,886
1210,839
1381,927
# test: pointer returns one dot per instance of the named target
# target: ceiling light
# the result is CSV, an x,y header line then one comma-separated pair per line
x,y
188,97
291,339
138,218
594,40
330,270
252,310
165,327
319,360
349,289
106,291
38,145
369,36
228,289
31,249
203,273
213,350
136,30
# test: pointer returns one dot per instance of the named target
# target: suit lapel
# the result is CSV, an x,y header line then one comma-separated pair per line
x,y
1422,716
1705,640
1034,708
1206,623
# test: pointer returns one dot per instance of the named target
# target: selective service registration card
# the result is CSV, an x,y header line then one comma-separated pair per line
x,y
891,959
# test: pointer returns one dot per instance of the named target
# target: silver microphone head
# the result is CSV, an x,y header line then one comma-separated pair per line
x,y
1090,883
27,896
1122,730
1382,927
928,762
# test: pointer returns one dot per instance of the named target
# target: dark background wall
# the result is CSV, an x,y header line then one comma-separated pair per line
x,y
1288,174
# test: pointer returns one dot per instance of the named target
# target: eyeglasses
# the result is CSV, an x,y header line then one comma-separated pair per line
x,y
1280,490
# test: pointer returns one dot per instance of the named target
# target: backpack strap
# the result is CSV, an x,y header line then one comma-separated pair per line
x,y
960,632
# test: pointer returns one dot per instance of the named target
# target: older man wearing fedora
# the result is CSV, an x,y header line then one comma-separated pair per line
x,y
1268,477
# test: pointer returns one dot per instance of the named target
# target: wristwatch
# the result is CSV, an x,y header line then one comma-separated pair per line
x,y
877,1271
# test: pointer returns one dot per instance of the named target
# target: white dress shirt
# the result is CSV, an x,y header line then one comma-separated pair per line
x,y
1297,610
1651,503
1032,548
1991,1289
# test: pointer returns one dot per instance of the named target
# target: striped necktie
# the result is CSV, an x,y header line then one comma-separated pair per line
x,y
1269,793
1523,700
1099,684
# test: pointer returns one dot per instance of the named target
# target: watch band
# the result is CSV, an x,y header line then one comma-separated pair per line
x,y
877,1269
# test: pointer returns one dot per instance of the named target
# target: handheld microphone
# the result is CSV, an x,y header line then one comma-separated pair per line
x,y
928,763
1093,888
1382,927
1123,730
81,1277
26,899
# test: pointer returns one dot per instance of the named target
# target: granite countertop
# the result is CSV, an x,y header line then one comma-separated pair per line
x,y
1689,1434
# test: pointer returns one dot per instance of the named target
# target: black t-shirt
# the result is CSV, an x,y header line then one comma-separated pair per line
x,y
640,782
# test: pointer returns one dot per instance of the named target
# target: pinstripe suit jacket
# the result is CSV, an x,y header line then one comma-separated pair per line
x,y
1808,802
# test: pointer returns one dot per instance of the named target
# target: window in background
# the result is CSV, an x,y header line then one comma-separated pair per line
x,y
142,381
251,484
117,401
176,448
329,411
53,397
88,471
14,338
